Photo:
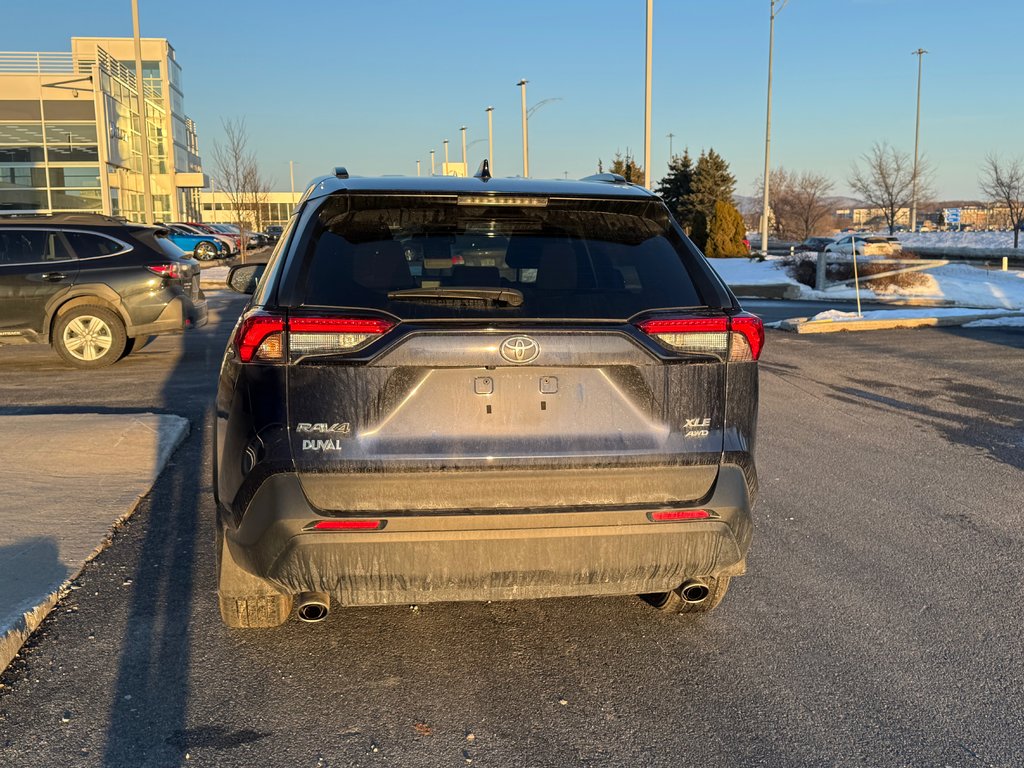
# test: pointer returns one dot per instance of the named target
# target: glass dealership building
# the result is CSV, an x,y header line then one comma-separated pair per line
x,y
70,134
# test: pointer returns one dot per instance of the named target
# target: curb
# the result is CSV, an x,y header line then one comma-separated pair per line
x,y
15,635
804,325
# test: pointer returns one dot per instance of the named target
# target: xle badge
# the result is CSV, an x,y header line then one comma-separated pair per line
x,y
697,427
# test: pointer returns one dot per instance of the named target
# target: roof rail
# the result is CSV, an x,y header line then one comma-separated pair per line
x,y
69,218
608,178
341,172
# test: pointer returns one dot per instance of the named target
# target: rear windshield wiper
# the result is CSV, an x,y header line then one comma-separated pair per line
x,y
509,296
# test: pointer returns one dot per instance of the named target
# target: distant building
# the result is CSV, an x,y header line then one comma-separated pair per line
x,y
69,132
270,208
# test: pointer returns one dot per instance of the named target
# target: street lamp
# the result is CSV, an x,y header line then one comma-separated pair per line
x,y
417,167
526,141
445,169
920,52
147,186
464,164
647,96
433,169
490,139
291,175
768,125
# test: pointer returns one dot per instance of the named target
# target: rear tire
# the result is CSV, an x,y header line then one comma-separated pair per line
x,y
246,601
672,601
89,337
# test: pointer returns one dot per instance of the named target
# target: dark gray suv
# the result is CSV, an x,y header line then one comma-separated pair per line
x,y
91,286
482,389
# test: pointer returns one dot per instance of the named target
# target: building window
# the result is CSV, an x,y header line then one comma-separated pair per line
x,y
86,176
23,200
21,176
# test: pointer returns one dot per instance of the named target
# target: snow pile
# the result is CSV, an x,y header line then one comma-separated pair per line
x,y
955,239
215,277
963,285
903,314
747,272
997,322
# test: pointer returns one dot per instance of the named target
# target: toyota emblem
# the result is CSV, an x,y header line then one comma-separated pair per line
x,y
519,349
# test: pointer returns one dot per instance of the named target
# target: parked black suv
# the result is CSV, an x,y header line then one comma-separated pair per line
x,y
482,389
91,285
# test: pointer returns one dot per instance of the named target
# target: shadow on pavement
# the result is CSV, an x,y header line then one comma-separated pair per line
x,y
150,700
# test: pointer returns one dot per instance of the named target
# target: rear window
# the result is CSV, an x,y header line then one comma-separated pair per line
x,y
601,259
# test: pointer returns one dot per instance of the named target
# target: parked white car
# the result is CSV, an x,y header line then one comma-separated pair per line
x,y
867,245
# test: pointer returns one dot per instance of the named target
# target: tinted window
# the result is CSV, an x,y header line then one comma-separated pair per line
x,y
585,259
28,246
88,246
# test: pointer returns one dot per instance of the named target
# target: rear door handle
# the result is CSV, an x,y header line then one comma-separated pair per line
x,y
54,277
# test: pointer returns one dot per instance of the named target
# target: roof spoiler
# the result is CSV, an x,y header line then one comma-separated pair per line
x,y
341,172
607,178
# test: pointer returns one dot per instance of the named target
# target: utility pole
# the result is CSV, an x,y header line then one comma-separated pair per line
x,y
465,164
147,185
490,139
433,170
647,96
526,141
920,52
768,126
671,154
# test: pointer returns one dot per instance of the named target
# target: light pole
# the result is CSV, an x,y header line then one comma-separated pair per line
x,y
768,125
671,154
526,141
417,167
490,139
465,165
647,96
291,174
433,170
147,187
920,52
444,169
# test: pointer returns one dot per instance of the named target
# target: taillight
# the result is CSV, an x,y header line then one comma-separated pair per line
x,y
262,337
747,337
324,335
740,337
171,270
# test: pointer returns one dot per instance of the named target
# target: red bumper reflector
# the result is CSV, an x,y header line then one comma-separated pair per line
x,y
349,525
678,514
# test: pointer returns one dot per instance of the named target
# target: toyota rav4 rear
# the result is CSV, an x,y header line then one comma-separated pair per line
x,y
483,389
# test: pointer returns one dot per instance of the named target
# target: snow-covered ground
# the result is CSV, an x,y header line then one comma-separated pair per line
x,y
908,314
961,284
215,277
998,322
955,239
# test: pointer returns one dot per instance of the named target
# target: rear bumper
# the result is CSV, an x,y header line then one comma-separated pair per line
x,y
180,313
432,558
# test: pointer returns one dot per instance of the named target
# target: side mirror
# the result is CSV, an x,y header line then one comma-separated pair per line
x,y
244,278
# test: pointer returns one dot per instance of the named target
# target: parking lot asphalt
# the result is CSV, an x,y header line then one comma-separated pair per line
x,y
879,623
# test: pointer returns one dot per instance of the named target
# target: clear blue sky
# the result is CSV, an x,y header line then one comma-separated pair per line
x,y
375,85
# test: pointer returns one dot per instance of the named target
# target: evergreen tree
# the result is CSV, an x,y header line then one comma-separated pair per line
x,y
627,167
724,232
676,188
712,182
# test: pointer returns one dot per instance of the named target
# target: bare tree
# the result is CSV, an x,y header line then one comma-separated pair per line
x,y
887,181
801,204
240,177
1002,182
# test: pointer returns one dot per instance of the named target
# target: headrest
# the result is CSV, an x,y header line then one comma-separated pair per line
x,y
381,266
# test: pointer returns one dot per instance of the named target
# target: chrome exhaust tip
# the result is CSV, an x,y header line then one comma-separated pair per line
x,y
313,606
694,591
